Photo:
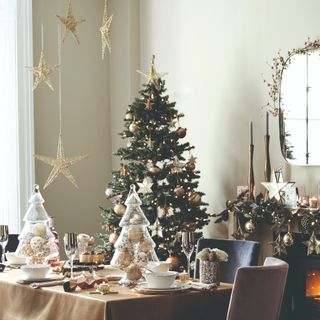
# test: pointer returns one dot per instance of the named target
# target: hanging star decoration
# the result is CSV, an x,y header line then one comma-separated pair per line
x,y
105,30
156,229
145,186
278,246
60,164
70,23
152,75
42,72
149,142
313,244
176,166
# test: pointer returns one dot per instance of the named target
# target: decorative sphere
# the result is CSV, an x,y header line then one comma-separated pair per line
x,y
113,238
119,209
39,229
181,132
123,244
141,259
124,259
108,192
134,273
190,166
174,262
135,233
37,243
288,239
45,251
128,116
154,170
133,127
249,226
194,198
179,191
26,250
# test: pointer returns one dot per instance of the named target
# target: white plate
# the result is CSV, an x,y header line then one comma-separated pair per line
x,y
50,276
176,287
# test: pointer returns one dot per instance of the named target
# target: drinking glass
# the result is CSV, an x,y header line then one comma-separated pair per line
x,y
187,244
70,248
4,237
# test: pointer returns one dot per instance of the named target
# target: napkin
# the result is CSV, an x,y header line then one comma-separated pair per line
x,y
203,286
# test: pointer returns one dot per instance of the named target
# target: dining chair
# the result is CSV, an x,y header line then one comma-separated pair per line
x,y
258,291
241,253
12,243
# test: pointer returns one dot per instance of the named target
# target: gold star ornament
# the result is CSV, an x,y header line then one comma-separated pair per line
x,y
156,229
70,23
145,186
105,30
153,77
313,244
60,164
42,72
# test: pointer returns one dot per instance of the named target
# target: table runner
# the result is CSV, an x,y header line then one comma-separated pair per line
x,y
21,302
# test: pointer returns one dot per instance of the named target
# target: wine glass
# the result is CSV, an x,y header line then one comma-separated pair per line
x,y
187,244
70,248
4,237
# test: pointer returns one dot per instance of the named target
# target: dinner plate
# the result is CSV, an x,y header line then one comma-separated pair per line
x,y
49,277
176,287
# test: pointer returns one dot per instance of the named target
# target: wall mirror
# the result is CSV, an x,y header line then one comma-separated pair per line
x,y
296,95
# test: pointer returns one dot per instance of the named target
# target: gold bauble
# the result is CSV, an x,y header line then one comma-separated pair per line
x,y
250,226
128,116
133,127
288,239
190,166
174,262
181,132
179,191
113,238
154,170
119,209
134,273
194,198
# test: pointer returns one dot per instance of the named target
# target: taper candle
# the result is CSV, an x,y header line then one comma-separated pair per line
x,y
267,123
251,133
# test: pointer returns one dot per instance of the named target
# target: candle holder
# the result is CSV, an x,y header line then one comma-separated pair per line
x,y
267,164
251,173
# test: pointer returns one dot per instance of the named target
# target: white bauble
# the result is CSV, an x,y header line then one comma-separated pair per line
x,y
37,243
135,233
39,229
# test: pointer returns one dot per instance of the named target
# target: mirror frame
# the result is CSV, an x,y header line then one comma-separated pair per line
x,y
279,64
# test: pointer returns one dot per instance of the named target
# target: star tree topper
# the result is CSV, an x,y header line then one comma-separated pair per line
x,y
70,23
105,30
42,72
153,76
60,164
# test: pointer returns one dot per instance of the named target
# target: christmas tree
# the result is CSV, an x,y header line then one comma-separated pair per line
x,y
162,167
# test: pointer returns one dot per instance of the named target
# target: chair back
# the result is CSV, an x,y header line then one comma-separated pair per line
x,y
241,253
258,291
12,243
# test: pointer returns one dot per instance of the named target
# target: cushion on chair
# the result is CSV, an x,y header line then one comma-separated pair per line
x,y
241,253
258,291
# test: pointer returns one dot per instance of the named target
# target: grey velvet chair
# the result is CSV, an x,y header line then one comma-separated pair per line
x,y
258,291
241,253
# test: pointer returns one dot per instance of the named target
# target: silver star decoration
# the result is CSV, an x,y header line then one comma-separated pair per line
x,y
105,30
156,229
150,143
145,186
60,164
152,75
313,244
278,246
176,166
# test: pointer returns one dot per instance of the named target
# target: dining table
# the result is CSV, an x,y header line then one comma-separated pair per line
x,y
20,301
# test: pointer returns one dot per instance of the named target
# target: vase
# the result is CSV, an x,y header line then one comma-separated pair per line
x,y
209,272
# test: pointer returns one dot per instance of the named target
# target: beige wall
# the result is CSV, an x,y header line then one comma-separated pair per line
x,y
215,52
85,115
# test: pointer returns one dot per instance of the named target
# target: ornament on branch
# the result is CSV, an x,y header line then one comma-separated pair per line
x,y
105,29
133,127
70,23
182,132
119,209
288,238
124,171
156,229
173,124
149,142
278,246
154,169
191,164
176,166
148,105
113,238
313,244
179,191
145,186
129,116
194,198
250,226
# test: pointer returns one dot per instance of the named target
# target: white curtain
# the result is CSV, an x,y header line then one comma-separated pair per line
x,y
16,130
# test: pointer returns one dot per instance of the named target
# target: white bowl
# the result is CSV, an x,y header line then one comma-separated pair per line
x,y
35,271
13,259
160,266
160,280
